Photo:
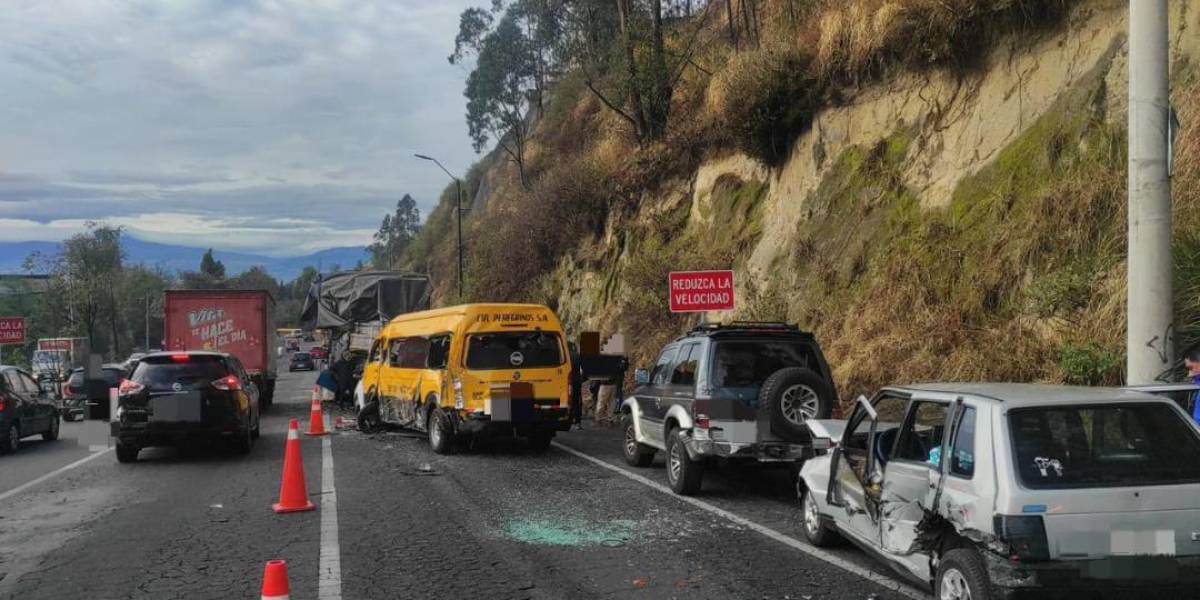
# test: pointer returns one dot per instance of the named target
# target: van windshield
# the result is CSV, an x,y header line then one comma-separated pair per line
x,y
513,350
1110,445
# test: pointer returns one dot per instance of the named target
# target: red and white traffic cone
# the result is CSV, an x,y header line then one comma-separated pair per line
x,y
316,418
275,581
293,491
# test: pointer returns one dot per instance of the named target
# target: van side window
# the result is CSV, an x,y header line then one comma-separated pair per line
x,y
662,369
374,354
685,368
394,352
413,353
439,352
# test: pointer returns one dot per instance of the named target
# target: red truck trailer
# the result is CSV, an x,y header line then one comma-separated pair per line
x,y
239,322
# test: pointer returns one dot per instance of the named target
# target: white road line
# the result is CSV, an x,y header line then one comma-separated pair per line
x,y
882,580
58,471
329,579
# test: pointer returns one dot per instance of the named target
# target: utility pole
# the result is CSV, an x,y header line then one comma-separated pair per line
x,y
146,347
459,210
1150,330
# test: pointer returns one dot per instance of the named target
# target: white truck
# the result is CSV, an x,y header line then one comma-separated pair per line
x,y
56,357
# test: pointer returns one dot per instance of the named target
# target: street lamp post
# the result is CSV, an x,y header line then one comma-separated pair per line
x,y
458,214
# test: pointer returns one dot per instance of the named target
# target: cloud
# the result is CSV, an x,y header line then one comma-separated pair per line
x,y
232,119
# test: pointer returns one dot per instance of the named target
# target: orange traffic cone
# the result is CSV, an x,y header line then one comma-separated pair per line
x,y
293,492
316,418
275,581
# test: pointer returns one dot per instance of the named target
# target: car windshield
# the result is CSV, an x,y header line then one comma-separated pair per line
x,y
1103,446
513,350
741,366
163,372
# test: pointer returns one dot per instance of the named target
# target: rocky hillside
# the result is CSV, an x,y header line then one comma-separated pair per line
x,y
937,189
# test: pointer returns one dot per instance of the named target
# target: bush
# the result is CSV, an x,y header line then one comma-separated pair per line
x,y
767,98
1088,364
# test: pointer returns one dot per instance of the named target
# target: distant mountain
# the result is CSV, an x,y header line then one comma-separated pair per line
x,y
186,258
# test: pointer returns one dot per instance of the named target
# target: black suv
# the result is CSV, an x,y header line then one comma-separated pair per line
x,y
737,391
25,409
175,397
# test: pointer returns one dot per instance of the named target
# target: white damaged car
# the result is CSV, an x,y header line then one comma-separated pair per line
x,y
981,490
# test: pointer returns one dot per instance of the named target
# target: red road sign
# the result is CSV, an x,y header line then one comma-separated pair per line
x,y
701,291
12,330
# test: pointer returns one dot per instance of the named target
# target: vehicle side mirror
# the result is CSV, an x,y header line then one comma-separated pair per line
x,y
641,376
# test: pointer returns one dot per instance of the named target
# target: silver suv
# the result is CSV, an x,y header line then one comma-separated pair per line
x,y
980,490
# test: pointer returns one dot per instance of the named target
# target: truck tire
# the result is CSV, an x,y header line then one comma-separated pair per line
x,y
126,453
684,474
268,397
539,441
636,455
791,396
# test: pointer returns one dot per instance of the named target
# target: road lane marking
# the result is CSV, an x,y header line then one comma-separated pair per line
x,y
58,471
329,579
787,540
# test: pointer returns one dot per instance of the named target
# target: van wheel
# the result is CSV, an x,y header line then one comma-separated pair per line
x,y
683,473
439,432
539,441
816,532
793,396
636,455
961,575
368,418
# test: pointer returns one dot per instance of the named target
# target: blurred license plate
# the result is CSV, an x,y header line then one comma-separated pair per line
x,y
176,408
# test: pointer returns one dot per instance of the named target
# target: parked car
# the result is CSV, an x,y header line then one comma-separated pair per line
x,y
741,391
25,409
979,490
177,397
318,353
292,344
75,393
301,361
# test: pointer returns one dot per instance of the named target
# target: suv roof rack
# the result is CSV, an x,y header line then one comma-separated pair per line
x,y
712,328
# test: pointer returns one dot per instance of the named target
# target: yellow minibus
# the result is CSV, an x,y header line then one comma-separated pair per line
x,y
469,372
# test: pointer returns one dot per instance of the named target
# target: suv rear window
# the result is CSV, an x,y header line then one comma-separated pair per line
x,y
741,366
162,372
1114,445
111,376
513,350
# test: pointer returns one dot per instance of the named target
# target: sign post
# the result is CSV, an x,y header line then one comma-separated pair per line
x,y
701,291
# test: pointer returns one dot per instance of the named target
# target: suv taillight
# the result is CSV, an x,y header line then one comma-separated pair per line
x,y
702,421
129,387
229,383
1025,535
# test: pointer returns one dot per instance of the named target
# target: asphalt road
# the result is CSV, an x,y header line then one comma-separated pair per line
x,y
494,522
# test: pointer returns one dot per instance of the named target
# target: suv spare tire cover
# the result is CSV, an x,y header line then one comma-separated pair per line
x,y
774,393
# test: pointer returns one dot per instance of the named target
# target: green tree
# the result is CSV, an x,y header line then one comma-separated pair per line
x,y
141,305
84,280
395,233
212,267
255,278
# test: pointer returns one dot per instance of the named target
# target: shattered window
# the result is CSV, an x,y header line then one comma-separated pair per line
x,y
1103,446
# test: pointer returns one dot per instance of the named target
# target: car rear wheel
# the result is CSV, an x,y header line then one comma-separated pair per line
x,y
815,531
793,396
51,434
684,474
368,418
961,575
636,454
127,453
439,432
12,440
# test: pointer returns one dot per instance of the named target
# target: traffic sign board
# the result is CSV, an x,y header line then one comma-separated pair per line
x,y
12,330
701,291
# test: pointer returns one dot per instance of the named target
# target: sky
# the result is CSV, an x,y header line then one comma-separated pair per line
x,y
278,127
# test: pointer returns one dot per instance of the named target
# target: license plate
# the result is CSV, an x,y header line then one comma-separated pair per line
x,y
176,408
1133,568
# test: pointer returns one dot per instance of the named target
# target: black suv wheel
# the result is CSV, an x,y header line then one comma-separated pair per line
x,y
683,473
792,396
636,455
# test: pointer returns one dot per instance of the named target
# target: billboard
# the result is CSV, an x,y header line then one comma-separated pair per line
x,y
12,330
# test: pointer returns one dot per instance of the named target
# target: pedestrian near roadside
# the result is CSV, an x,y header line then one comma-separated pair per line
x,y
1192,361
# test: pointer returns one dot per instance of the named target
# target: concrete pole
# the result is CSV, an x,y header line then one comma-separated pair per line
x,y
1149,338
